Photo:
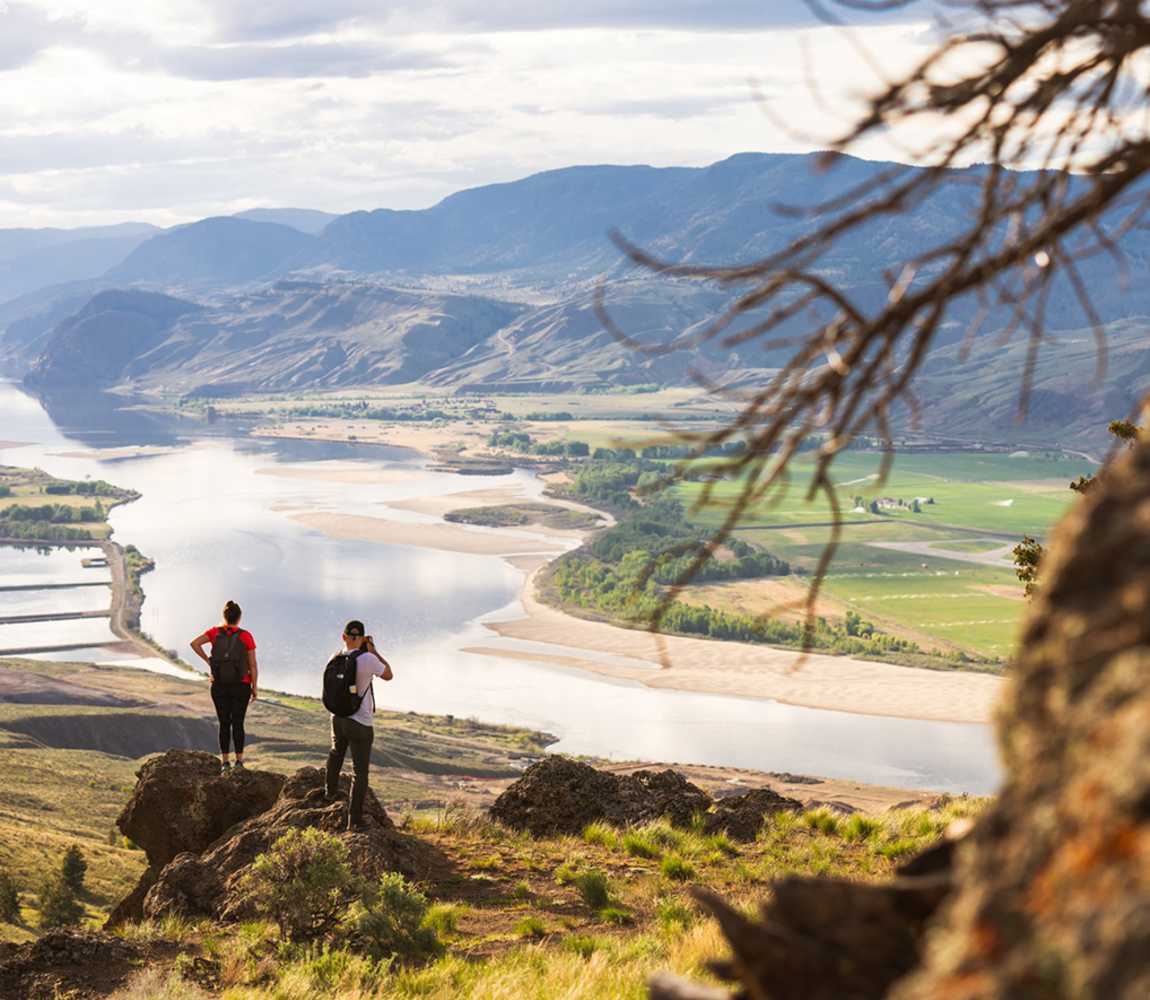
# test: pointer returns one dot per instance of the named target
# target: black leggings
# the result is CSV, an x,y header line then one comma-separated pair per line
x,y
231,701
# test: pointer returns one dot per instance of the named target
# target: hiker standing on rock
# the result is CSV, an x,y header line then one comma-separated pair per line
x,y
349,696
235,676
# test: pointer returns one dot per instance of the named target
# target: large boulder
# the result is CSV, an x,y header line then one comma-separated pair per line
x,y
202,830
741,816
206,883
559,796
183,803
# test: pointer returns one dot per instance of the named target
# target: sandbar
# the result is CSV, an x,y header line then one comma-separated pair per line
x,y
441,536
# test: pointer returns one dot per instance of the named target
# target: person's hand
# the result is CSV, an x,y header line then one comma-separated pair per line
x,y
255,692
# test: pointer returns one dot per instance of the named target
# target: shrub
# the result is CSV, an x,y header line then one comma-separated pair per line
x,y
9,899
73,869
674,867
531,927
58,904
640,845
601,834
390,921
594,889
302,883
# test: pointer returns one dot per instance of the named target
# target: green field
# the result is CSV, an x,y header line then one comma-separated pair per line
x,y
983,504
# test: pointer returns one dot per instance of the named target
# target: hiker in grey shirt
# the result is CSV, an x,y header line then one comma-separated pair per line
x,y
355,731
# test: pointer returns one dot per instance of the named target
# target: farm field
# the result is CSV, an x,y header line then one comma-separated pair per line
x,y
942,573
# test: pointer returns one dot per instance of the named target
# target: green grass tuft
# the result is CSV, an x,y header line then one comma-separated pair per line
x,y
601,834
640,845
593,888
822,820
677,869
532,928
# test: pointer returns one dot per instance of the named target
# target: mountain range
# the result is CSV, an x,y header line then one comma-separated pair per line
x,y
491,288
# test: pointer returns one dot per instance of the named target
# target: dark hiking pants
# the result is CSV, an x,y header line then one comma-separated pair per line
x,y
231,701
345,734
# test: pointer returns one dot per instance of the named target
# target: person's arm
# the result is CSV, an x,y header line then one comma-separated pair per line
x,y
386,673
254,671
198,644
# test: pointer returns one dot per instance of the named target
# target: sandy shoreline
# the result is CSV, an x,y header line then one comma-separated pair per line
x,y
820,681
744,670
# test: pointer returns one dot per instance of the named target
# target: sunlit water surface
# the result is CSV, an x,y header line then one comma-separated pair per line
x,y
219,526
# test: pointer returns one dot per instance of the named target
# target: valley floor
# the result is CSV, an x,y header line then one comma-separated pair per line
x,y
682,663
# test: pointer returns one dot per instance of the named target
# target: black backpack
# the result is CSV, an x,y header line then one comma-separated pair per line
x,y
229,659
339,680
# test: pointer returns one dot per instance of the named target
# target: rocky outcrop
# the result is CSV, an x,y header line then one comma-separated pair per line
x,y
202,830
205,884
75,964
183,803
561,796
741,816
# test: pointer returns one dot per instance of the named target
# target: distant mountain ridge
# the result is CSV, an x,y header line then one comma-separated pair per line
x,y
493,286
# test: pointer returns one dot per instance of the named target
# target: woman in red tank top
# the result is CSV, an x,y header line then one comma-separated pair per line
x,y
235,675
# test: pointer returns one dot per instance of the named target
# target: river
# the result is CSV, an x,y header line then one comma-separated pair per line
x,y
214,515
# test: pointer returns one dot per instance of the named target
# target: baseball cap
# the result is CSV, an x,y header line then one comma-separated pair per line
x,y
354,629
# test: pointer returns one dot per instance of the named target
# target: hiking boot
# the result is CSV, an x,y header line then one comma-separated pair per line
x,y
239,766
225,767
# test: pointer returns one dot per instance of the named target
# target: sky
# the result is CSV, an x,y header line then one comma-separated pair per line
x,y
165,111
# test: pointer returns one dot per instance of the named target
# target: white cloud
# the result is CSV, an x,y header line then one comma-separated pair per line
x,y
169,114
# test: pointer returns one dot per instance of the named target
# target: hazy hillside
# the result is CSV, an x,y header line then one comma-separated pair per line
x,y
33,258
223,250
494,287
306,220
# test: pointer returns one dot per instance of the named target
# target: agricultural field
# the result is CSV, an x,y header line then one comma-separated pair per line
x,y
925,557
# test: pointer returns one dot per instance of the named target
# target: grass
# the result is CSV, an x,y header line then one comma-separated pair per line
x,y
561,916
950,605
676,869
640,845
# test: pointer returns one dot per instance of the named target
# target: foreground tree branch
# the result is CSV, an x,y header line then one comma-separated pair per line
x,y
1055,86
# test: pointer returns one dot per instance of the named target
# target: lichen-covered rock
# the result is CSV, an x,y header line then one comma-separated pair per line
x,y
559,796
741,816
